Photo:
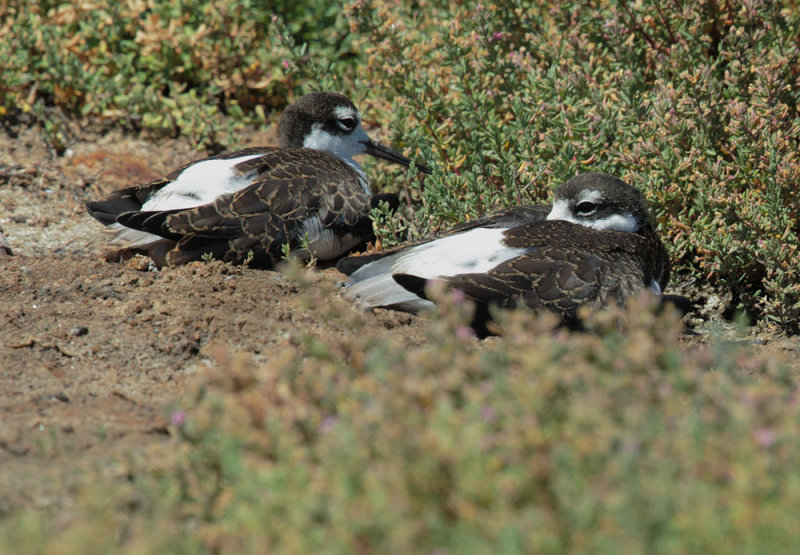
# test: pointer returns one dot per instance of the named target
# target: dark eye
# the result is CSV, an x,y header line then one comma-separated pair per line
x,y
348,124
586,208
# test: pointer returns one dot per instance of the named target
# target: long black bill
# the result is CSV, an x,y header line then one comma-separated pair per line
x,y
379,151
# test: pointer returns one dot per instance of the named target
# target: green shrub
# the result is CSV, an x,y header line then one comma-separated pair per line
x,y
189,67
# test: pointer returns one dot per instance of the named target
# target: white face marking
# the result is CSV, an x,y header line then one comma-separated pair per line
x,y
341,112
200,183
341,146
344,147
474,251
590,195
615,222
560,211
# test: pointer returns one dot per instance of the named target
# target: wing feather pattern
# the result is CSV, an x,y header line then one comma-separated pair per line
x,y
504,218
293,186
567,266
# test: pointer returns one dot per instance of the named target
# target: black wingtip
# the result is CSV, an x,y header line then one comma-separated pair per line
x,y
107,211
150,222
350,264
414,284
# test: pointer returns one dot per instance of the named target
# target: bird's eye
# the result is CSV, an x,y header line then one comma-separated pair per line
x,y
586,208
348,124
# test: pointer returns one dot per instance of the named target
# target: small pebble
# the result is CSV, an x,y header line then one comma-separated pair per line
x,y
78,331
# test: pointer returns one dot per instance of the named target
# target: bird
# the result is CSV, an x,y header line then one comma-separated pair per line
x,y
245,206
594,245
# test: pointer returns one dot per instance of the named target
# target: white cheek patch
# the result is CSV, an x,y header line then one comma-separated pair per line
x,y
615,222
561,211
344,147
341,146
199,184
319,139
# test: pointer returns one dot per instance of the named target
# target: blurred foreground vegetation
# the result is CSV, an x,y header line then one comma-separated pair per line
x,y
537,442
598,442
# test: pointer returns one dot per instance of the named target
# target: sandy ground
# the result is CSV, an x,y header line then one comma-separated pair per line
x,y
94,350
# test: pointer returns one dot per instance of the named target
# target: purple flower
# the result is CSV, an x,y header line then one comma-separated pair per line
x,y
177,418
285,64
328,424
497,35
465,332
457,296
764,437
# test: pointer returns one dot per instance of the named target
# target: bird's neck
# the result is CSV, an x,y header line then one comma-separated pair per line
x,y
362,177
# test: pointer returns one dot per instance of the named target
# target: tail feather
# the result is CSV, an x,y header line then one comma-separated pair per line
x,y
379,290
132,238
375,286
106,211
350,264
113,213
369,266
150,222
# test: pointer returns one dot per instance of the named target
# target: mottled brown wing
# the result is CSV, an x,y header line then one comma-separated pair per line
x,y
567,266
293,186
131,199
